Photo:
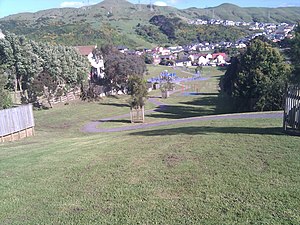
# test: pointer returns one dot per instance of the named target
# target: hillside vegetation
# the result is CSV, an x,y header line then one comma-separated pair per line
x,y
119,22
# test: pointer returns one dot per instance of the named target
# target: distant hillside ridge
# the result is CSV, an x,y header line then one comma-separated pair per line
x,y
116,21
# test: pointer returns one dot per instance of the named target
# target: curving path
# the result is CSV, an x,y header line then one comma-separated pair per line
x,y
95,126
92,127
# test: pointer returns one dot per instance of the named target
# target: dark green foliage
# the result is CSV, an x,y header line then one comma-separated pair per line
x,y
174,30
148,59
119,67
136,87
166,25
295,56
5,100
27,62
257,78
46,85
151,33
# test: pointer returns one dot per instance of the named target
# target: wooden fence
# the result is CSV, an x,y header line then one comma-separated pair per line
x,y
70,96
16,123
291,119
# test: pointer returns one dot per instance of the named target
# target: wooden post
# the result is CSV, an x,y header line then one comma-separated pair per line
x,y
33,131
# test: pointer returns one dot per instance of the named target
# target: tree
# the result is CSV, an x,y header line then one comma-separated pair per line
x,y
5,100
257,78
138,90
295,56
119,67
45,85
24,60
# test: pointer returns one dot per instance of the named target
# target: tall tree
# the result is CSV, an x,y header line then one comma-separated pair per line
x,y
5,100
295,56
118,67
256,79
138,90
24,61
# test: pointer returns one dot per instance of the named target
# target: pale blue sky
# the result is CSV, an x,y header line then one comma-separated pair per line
x,y
8,7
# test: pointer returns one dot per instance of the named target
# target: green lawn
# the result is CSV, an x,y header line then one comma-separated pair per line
x,y
209,172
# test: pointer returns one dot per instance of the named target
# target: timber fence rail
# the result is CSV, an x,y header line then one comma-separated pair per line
x,y
291,120
16,123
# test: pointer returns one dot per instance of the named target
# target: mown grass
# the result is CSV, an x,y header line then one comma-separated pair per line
x,y
209,172
213,172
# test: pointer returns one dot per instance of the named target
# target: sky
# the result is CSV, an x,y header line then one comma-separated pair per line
x,y
8,7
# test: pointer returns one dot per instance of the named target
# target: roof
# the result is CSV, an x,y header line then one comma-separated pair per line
x,y
85,50
215,55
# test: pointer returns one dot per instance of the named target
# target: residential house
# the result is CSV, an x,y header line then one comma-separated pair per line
x,y
2,36
204,59
122,48
183,62
161,51
219,58
97,63
156,59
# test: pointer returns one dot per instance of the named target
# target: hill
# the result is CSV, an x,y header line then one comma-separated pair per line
x,y
118,22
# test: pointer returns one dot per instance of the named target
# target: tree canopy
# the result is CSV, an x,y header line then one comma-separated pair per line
x,y
119,67
257,78
295,56
23,61
5,100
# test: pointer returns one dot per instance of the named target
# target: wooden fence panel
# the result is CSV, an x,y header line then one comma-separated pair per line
x,y
16,119
292,108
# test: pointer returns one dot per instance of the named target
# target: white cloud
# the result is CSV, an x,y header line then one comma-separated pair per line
x,y
160,3
72,4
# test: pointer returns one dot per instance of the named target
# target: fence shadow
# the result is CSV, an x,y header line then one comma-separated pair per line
x,y
205,130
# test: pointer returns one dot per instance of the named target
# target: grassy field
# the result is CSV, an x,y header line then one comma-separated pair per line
x,y
209,172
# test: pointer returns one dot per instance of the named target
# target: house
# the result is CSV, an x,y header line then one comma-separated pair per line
x,y
161,51
202,60
183,62
167,57
85,50
219,58
156,59
97,63
122,48
2,36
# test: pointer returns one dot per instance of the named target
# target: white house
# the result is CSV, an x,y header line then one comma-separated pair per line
x,y
202,60
183,62
2,36
97,63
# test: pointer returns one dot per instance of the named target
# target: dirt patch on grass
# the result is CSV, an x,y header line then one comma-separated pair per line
x,y
171,160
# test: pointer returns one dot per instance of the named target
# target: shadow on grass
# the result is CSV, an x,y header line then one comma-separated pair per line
x,y
116,104
207,130
202,94
115,121
179,112
207,104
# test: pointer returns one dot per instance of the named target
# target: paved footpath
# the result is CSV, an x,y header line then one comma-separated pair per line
x,y
95,126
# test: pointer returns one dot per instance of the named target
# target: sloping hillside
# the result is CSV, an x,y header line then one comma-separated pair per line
x,y
116,21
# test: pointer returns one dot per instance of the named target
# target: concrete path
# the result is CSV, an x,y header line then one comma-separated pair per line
x,y
93,127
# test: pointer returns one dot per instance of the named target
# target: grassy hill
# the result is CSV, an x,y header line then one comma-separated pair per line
x,y
239,171
116,22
